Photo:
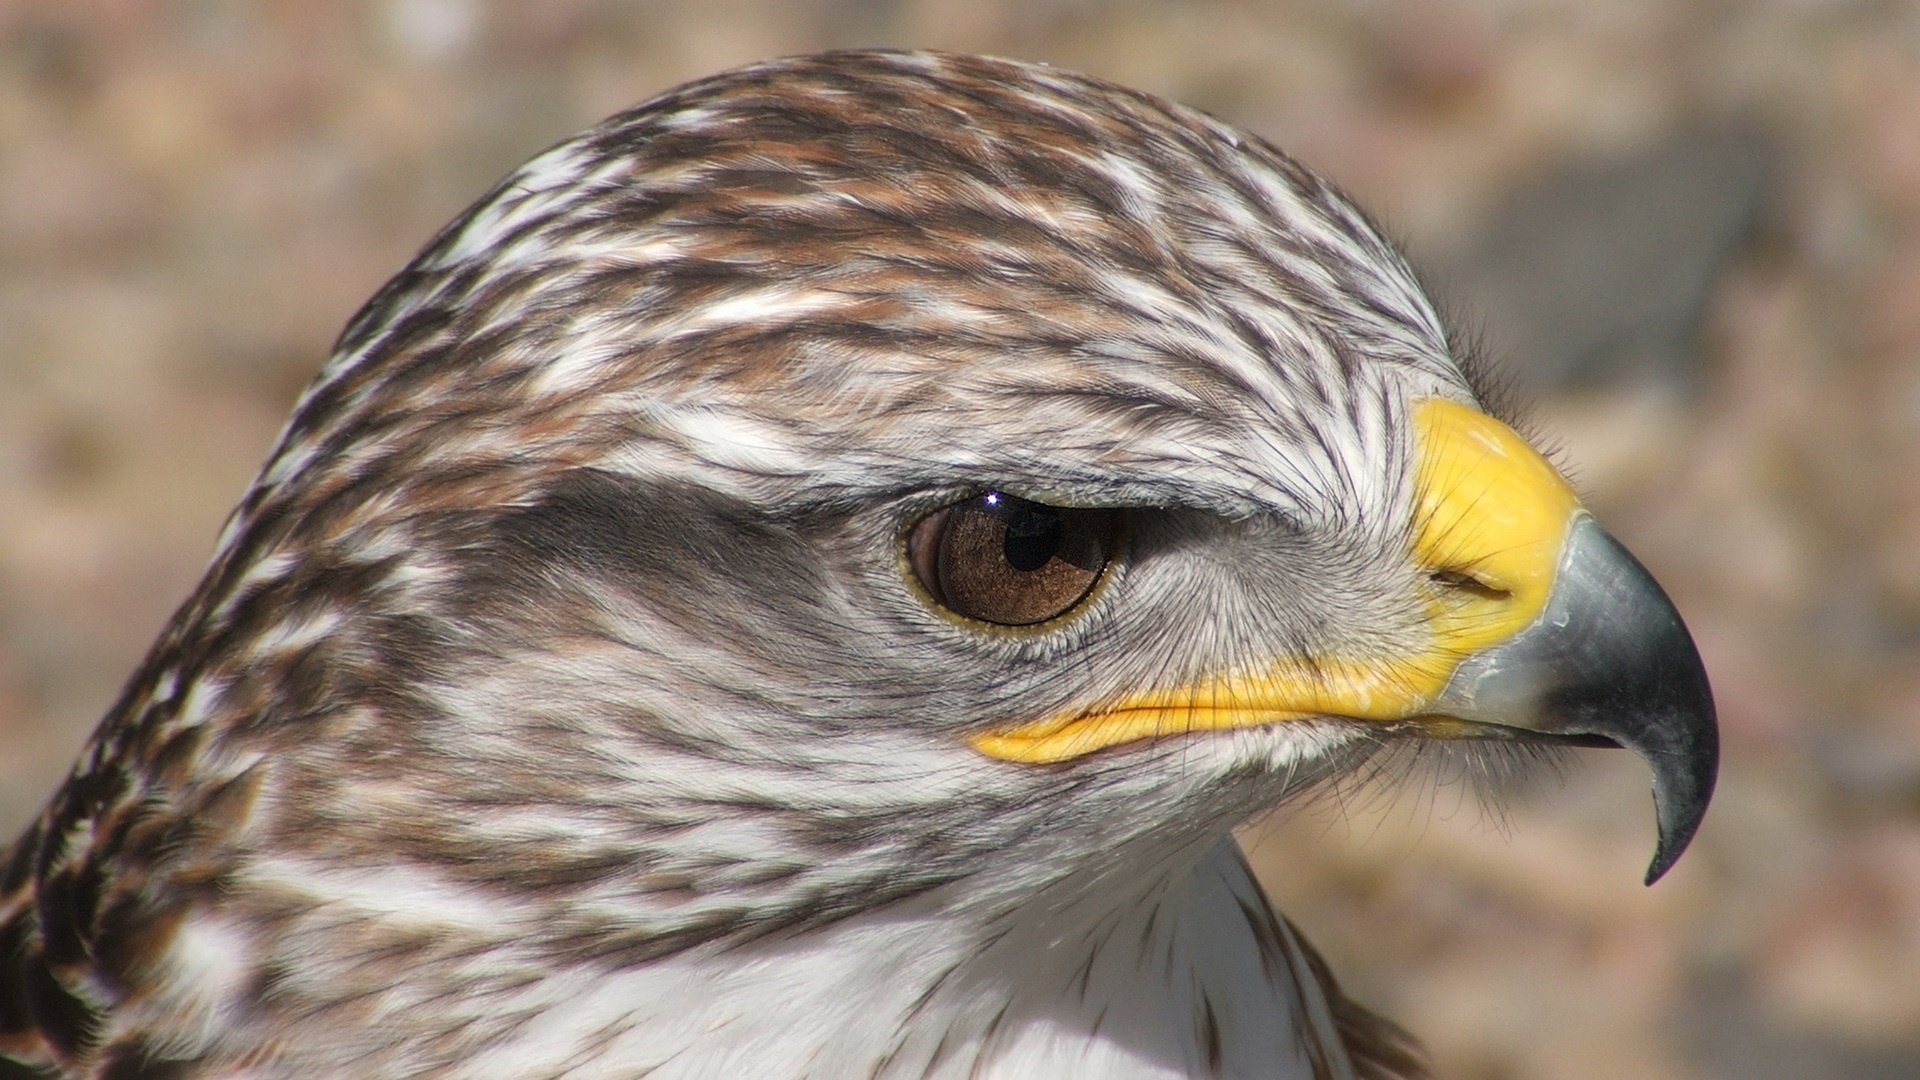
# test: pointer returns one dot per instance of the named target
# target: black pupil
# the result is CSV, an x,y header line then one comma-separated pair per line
x,y
1033,535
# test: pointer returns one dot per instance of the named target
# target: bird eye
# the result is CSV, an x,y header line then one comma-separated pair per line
x,y
1003,559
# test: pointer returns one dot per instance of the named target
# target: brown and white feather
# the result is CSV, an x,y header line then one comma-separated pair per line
x,y
554,683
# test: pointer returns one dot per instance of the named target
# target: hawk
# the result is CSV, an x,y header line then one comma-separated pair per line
x,y
801,580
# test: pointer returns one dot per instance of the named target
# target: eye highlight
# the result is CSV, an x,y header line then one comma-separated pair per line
x,y
1009,561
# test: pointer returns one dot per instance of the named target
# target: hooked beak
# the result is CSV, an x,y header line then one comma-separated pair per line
x,y
1608,660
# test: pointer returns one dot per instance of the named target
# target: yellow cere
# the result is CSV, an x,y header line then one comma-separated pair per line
x,y
1491,515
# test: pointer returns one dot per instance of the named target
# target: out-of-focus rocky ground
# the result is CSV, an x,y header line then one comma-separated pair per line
x,y
1692,229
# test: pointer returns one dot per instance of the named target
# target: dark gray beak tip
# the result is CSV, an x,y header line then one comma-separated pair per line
x,y
1679,805
1685,766
1647,689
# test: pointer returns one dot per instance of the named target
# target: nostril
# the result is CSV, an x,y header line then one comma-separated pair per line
x,y
1469,583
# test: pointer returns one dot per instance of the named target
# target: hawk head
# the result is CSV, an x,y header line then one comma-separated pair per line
x,y
804,576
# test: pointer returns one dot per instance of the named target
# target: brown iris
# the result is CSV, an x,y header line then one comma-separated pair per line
x,y
1006,560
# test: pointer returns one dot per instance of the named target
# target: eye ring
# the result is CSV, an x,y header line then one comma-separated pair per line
x,y
998,559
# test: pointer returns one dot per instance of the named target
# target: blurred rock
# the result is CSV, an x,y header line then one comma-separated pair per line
x,y
1727,1026
1600,272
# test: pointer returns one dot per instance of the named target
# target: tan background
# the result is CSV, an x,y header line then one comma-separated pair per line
x,y
1694,228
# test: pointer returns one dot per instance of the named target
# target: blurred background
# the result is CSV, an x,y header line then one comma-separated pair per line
x,y
1691,230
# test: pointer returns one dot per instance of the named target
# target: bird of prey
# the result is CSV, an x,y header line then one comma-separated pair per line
x,y
800,581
